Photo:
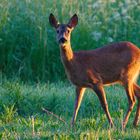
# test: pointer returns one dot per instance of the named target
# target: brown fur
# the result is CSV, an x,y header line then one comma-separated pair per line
x,y
102,64
114,63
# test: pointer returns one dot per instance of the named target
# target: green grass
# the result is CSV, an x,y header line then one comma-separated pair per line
x,y
28,48
21,108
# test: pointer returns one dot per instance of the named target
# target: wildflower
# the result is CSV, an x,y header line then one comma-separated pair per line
x,y
110,39
116,15
28,1
124,11
98,23
113,1
96,35
96,5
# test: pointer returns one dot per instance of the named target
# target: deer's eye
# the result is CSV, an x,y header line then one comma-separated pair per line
x,y
68,31
57,31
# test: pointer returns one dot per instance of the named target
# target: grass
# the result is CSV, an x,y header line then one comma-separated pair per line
x,y
28,48
22,117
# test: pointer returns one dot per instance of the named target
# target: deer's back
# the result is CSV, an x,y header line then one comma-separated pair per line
x,y
109,63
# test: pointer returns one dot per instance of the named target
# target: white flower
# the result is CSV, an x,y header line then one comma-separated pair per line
x,y
124,11
98,23
96,35
127,17
113,1
110,39
96,5
128,1
116,15
28,1
121,4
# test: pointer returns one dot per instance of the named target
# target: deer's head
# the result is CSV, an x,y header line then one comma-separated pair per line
x,y
63,30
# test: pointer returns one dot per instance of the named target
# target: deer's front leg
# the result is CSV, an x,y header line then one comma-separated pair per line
x,y
99,90
79,95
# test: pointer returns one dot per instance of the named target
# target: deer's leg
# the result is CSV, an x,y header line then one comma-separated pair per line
x,y
131,100
137,94
99,90
79,95
136,90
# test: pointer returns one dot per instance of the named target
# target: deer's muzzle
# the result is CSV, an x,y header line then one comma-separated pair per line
x,y
62,40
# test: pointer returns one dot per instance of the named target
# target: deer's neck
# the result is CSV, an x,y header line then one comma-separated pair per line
x,y
66,52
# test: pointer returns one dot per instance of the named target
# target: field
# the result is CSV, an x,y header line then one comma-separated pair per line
x,y
22,116
32,76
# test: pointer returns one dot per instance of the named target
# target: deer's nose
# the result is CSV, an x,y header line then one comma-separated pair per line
x,y
62,40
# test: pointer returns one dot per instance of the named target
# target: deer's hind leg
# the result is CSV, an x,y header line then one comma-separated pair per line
x,y
131,100
137,94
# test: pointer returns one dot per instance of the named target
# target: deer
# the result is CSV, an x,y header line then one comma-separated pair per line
x,y
113,63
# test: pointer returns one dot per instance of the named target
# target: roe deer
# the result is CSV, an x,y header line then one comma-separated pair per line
x,y
114,63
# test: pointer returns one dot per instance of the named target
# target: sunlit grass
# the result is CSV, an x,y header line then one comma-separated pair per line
x,y
21,109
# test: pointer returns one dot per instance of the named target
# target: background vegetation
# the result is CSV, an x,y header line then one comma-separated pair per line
x,y
28,47
31,72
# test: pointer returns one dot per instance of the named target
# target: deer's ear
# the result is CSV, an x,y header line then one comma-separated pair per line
x,y
73,21
53,21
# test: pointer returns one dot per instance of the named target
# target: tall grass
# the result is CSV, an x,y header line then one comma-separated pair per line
x,y
28,49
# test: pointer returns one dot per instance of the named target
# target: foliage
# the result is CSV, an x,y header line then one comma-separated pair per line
x,y
28,49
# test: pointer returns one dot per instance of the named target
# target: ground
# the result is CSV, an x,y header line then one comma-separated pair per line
x,y
22,116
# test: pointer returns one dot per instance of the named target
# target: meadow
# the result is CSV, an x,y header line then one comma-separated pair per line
x,y
22,116
32,76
